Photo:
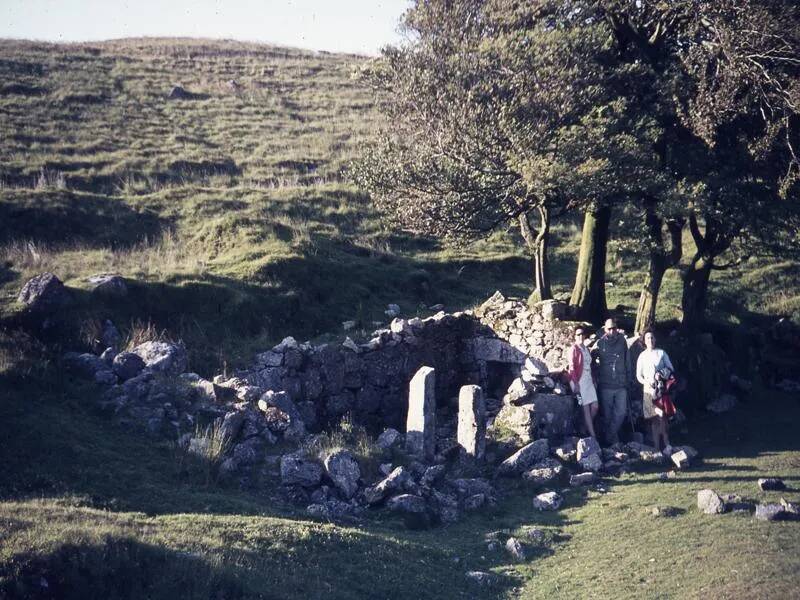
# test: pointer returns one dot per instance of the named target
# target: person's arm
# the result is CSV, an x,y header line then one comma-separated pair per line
x,y
640,368
668,362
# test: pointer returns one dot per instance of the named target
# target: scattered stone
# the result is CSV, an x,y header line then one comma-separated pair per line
x,y
770,484
547,501
722,404
664,511
342,468
408,503
348,325
480,578
791,508
299,470
525,458
710,502
432,474
163,357
421,421
108,284
653,457
582,479
535,535
389,439
542,475
515,548
396,480
105,377
472,421
127,365
770,512
470,487
566,452
587,446
44,294
734,503
592,462
681,459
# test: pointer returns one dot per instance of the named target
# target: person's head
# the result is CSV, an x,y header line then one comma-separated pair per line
x,y
580,335
610,327
649,339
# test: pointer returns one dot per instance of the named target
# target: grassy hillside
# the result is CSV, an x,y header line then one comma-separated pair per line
x,y
230,211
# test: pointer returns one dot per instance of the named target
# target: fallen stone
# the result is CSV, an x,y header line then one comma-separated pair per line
x,y
432,474
108,284
664,511
587,446
44,294
127,365
770,484
525,457
515,548
395,481
769,512
299,470
582,479
407,503
681,459
542,476
342,468
592,462
470,487
710,502
389,439
105,377
163,357
547,501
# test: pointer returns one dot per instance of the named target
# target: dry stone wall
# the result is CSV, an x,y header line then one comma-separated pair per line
x,y
488,347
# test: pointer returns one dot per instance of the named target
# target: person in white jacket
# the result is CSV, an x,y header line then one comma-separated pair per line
x,y
650,361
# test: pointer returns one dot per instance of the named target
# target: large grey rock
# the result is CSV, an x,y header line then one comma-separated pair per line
x,y
547,501
710,502
127,365
342,468
421,421
164,357
249,452
44,294
108,284
232,424
591,462
582,479
472,421
297,469
525,457
480,578
467,487
543,473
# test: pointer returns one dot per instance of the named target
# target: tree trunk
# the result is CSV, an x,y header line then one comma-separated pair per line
x,y
695,292
646,313
589,294
537,242
660,261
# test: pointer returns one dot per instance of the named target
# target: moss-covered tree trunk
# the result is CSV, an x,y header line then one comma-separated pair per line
x,y
537,240
588,299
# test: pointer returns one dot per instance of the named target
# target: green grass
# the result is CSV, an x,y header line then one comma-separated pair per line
x,y
101,512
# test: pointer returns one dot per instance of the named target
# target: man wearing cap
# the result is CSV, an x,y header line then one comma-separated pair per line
x,y
612,379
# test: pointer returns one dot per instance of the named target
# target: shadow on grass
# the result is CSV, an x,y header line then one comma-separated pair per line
x,y
64,217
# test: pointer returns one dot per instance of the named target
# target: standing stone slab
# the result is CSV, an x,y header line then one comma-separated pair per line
x,y
472,421
421,422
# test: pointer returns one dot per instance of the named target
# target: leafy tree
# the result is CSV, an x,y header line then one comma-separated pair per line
x,y
728,107
502,112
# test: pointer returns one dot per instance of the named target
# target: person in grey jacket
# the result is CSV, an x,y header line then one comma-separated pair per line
x,y
613,378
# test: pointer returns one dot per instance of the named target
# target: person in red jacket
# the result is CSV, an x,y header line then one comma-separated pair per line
x,y
581,379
